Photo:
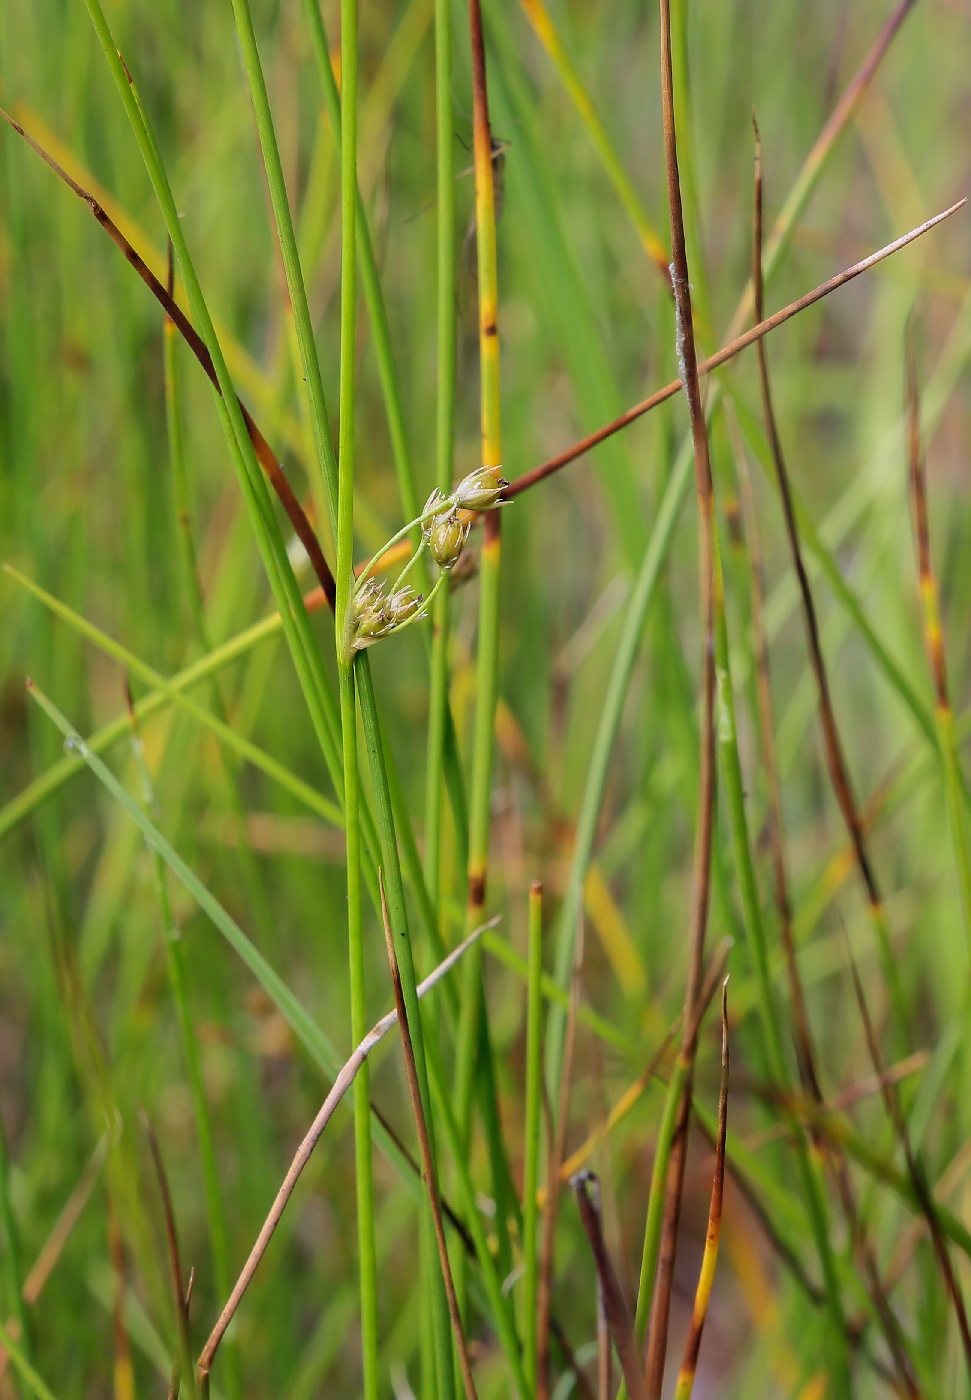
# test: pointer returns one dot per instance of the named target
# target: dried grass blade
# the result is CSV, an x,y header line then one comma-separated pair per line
x,y
342,1083
427,1158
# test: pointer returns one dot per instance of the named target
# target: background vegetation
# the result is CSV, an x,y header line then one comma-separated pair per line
x,y
118,494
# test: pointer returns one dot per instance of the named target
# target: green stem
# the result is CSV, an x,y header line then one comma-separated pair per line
x,y
344,538
303,649
531,1135
444,433
288,243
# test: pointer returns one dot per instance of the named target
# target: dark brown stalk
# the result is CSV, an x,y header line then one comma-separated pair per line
x,y
614,1305
556,1146
701,875
303,1154
727,352
184,1353
805,1051
832,746
604,1354
689,1364
915,1168
264,452
428,1160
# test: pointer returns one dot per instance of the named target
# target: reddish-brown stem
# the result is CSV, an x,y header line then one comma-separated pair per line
x,y
701,875
172,1244
804,1046
727,352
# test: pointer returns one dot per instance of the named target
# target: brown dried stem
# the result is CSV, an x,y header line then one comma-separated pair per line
x,y
805,1051
614,1305
832,746
184,1349
302,1156
701,875
727,352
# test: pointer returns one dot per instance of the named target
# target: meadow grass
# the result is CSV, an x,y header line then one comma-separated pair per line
x,y
490,251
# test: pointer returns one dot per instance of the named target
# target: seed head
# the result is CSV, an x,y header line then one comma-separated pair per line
x,y
371,615
446,535
480,490
403,605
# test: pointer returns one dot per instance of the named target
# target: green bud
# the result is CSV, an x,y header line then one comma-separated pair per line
x,y
446,535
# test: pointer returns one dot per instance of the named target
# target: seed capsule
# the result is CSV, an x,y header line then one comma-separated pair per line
x,y
480,490
403,605
446,536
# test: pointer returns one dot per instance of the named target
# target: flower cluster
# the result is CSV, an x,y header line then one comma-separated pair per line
x,y
375,613
445,524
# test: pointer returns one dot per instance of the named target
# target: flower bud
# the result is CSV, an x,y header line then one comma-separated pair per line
x,y
446,536
480,490
371,615
436,501
403,605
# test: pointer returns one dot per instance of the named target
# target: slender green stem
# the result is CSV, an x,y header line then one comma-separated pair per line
x,y
499,1304
303,649
444,432
487,661
367,1259
656,1195
531,1134
288,244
